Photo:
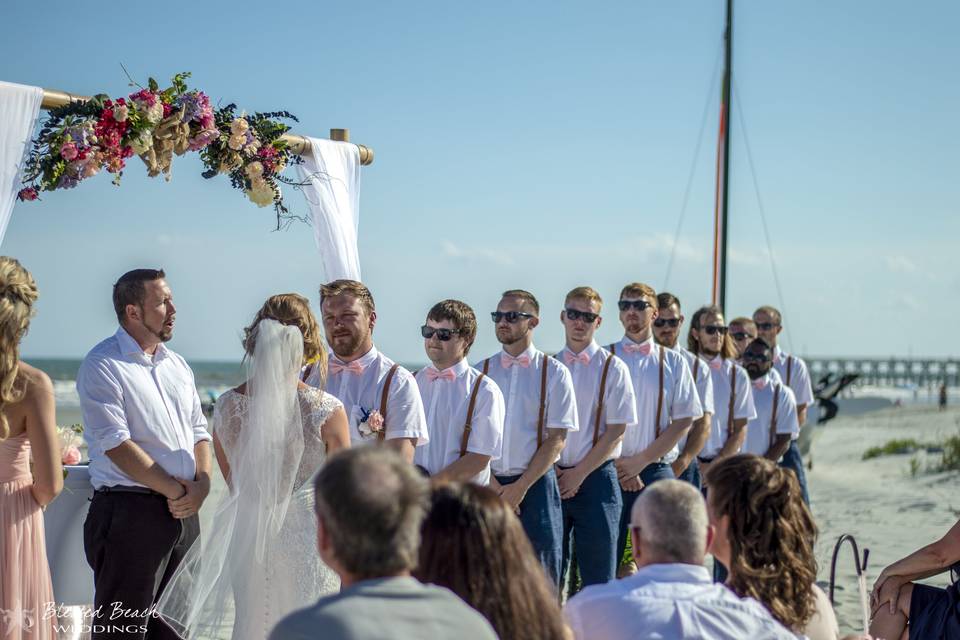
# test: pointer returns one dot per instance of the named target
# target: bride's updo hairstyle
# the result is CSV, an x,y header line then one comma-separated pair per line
x,y
290,309
18,292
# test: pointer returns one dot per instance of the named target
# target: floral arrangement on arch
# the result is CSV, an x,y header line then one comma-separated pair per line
x,y
79,140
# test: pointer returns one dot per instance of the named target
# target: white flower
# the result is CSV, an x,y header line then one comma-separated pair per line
x,y
260,192
254,169
239,127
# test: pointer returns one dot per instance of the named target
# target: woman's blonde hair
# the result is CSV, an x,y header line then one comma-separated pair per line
x,y
18,292
772,535
291,309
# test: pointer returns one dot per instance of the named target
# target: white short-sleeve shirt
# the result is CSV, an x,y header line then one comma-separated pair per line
x,y
680,399
798,378
701,378
619,402
764,389
361,393
722,370
521,392
126,394
445,403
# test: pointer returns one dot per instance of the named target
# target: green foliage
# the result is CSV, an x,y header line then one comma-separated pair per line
x,y
915,466
950,458
893,447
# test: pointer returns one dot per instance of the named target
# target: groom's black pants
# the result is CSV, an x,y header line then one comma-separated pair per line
x,y
133,545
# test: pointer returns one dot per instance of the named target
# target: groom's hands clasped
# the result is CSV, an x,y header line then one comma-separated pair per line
x,y
195,492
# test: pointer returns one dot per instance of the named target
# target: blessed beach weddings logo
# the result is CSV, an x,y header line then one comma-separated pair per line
x,y
113,618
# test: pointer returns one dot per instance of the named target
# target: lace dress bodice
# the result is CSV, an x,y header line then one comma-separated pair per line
x,y
315,407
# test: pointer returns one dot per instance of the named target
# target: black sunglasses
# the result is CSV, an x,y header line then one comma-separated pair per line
x,y
766,326
442,334
667,322
509,316
740,336
714,329
754,357
639,305
586,316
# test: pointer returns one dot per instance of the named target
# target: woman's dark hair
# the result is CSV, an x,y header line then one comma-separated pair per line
x,y
772,535
474,545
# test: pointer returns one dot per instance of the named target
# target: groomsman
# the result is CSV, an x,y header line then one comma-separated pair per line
x,y
541,409
667,403
732,400
464,407
367,382
793,371
770,433
606,404
666,330
743,331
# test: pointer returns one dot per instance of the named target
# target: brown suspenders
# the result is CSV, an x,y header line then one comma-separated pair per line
x,y
383,400
789,368
469,423
613,351
603,388
733,395
773,416
543,396
696,367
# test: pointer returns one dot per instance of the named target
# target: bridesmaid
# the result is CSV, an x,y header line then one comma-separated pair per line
x,y
27,422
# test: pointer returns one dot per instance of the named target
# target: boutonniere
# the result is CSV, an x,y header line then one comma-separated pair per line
x,y
371,423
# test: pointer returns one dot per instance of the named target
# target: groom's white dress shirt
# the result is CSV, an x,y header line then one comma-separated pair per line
x,y
680,399
126,394
359,386
619,399
446,396
519,379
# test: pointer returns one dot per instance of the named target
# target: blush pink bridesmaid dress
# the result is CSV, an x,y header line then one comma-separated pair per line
x,y
25,587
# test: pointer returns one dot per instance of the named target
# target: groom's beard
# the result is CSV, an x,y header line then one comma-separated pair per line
x,y
345,346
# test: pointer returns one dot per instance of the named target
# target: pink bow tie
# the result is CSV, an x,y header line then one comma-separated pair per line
x,y
759,383
446,374
507,361
716,363
643,348
351,367
581,357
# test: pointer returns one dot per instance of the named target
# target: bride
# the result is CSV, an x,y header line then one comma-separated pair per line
x,y
258,559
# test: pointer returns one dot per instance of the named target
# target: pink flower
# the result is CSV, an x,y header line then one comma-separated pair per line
x,y
28,194
72,455
375,421
68,151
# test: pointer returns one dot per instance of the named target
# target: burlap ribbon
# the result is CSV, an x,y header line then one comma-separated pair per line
x,y
171,136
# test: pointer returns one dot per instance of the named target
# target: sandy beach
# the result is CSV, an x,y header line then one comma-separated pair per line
x,y
887,510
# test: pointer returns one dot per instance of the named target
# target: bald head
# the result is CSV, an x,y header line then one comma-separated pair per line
x,y
671,517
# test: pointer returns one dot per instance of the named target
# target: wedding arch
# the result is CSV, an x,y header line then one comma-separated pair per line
x,y
82,136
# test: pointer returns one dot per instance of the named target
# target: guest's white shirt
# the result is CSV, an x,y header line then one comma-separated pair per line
x,y
360,388
799,377
126,394
742,402
619,401
758,439
680,399
521,391
446,403
676,601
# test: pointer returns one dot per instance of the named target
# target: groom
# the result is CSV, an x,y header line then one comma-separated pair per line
x,y
149,459
380,397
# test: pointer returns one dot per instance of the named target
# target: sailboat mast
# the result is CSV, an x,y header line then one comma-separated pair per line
x,y
723,164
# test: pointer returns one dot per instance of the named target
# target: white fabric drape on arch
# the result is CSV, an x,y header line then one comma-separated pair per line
x,y
331,171
19,110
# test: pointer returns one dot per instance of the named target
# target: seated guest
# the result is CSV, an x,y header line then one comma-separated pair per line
x,y
473,544
672,595
464,407
765,537
931,612
370,504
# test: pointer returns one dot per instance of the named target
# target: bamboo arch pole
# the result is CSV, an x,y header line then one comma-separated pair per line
x,y
297,144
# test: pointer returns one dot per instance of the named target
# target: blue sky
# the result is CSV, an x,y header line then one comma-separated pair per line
x,y
541,145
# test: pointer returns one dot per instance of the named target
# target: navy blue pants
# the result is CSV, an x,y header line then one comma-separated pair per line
x,y
542,519
692,474
793,460
650,474
590,521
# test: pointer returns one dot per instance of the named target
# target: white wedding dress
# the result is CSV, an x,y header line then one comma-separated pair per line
x,y
258,561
